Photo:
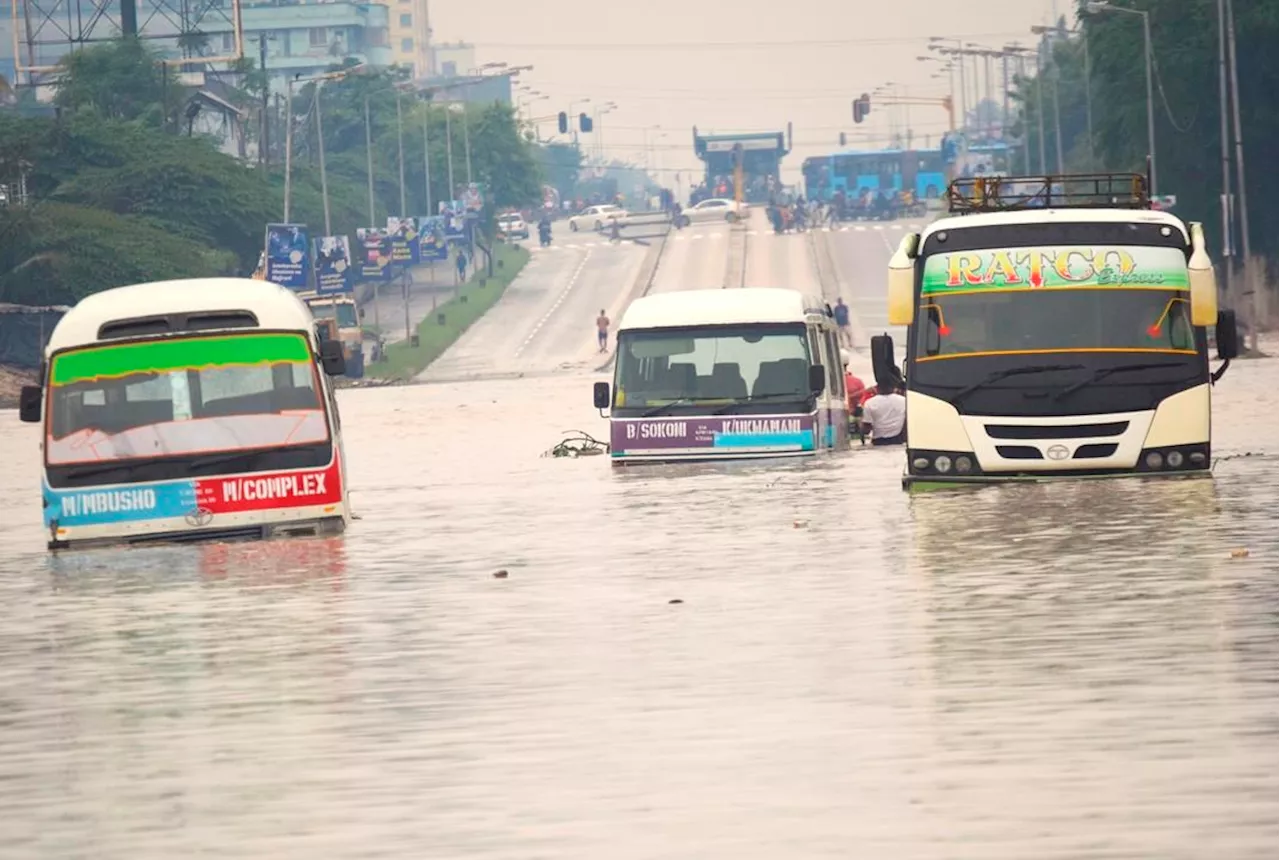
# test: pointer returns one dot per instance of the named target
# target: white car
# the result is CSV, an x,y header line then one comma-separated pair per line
x,y
597,217
715,209
513,226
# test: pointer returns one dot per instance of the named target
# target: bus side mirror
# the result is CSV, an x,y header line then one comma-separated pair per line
x,y
601,395
902,281
1224,332
29,403
331,358
817,379
883,367
1204,286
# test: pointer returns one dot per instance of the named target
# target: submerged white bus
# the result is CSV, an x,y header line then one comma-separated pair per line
x,y
181,410
1060,333
719,374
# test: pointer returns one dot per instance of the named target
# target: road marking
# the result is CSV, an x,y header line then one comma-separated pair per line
x,y
896,226
752,232
696,236
860,228
573,279
877,227
844,228
681,238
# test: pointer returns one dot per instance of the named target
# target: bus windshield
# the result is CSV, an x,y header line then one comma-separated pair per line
x,y
712,363
182,396
1054,299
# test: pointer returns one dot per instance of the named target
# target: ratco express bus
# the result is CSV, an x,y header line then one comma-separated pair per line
x,y
725,374
1057,327
183,410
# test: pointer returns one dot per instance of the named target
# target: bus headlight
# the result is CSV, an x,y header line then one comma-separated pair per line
x,y
934,462
1174,458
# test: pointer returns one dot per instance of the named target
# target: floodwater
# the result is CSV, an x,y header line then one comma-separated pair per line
x,y
1060,671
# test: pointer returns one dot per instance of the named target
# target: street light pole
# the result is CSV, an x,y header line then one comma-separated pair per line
x,y
404,207
368,154
288,145
448,146
466,137
426,154
324,179
1103,6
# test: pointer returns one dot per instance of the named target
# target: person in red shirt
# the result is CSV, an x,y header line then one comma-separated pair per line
x,y
853,386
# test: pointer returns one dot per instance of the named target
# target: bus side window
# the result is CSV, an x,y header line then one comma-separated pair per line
x,y
835,374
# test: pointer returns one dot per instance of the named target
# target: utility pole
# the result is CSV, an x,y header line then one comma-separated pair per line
x,y
324,180
1057,121
466,137
448,147
426,155
368,155
1251,283
288,144
264,141
1040,102
1224,110
404,207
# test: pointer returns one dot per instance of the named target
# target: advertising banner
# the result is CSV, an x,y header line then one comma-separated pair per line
x,y
376,247
432,243
711,435
473,198
198,500
455,219
333,264
403,234
1064,267
287,258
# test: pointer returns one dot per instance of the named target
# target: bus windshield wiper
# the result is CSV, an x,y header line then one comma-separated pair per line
x,y
658,410
1103,373
89,471
1013,371
745,401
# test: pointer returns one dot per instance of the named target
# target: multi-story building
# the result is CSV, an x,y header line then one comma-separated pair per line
x,y
410,32
305,39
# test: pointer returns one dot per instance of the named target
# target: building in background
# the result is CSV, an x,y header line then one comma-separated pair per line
x,y
452,59
410,33
305,39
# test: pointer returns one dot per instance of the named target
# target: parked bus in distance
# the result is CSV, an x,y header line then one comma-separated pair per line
x,y
1057,328
887,171
720,374
188,410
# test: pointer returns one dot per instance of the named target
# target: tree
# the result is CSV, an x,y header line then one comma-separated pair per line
x,y
1188,149
121,80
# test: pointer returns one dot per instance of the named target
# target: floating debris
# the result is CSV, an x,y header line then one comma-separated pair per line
x,y
499,574
1239,553
673,601
577,443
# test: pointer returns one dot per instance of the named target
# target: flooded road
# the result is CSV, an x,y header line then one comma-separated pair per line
x,y
1059,671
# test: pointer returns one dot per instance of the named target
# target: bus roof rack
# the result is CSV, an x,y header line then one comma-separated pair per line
x,y
1065,191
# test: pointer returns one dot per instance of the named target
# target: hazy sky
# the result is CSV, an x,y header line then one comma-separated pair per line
x,y
731,65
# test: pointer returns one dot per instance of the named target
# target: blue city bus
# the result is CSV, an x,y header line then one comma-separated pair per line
x,y
888,171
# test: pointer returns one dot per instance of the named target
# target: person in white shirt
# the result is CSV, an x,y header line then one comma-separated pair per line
x,y
885,416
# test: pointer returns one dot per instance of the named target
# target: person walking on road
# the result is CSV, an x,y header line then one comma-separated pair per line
x,y
841,311
462,266
602,331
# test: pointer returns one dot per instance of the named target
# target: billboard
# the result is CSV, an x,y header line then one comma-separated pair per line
x,y
432,243
333,264
376,261
287,257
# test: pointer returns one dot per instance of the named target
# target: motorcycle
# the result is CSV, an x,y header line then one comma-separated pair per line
x,y
544,235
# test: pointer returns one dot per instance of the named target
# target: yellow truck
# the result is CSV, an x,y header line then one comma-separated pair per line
x,y
339,311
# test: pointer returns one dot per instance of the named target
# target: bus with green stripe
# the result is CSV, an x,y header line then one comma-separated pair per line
x,y
1058,327
189,410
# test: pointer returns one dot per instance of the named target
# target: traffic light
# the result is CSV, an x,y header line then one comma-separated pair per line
x,y
842,140
861,107
564,122
584,122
